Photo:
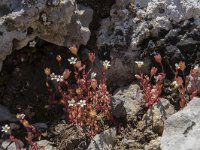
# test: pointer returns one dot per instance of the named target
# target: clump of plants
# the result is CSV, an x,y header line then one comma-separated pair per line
x,y
86,102
32,134
186,86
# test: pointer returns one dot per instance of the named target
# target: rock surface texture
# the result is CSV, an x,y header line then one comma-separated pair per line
x,y
57,21
181,130
138,28
127,101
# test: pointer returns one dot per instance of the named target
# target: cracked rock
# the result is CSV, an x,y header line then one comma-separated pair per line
x,y
181,130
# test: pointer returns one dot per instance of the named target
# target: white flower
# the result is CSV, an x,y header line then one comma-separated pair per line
x,y
175,84
139,63
32,44
5,128
72,60
82,103
106,64
177,66
58,78
20,116
72,102
93,75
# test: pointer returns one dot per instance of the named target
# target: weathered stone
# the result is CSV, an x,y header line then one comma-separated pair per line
x,y
5,144
153,145
46,145
104,140
13,146
181,130
133,23
131,98
159,112
62,22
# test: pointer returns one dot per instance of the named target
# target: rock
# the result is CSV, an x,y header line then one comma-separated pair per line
x,y
5,115
12,146
104,140
61,23
160,111
118,109
181,130
133,23
5,144
153,145
130,98
45,144
41,125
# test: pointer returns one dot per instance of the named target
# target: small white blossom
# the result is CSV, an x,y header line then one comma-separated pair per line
x,y
20,116
139,63
71,102
106,64
32,44
82,103
175,84
93,75
58,78
5,128
177,66
72,60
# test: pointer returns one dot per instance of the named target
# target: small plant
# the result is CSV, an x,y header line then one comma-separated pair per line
x,y
86,103
32,132
186,85
151,91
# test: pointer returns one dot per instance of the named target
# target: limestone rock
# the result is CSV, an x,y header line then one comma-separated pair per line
x,y
104,140
159,112
131,99
55,21
133,23
181,130
154,144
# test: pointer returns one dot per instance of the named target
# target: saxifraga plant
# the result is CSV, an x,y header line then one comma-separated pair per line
x,y
86,104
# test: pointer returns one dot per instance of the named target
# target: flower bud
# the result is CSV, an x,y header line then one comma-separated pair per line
x,y
58,58
73,50
78,64
153,71
66,74
94,83
182,65
92,56
158,58
47,71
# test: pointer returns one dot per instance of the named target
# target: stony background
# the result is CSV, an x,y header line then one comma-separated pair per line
x,y
121,31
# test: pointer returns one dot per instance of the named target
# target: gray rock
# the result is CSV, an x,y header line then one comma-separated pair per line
x,y
117,105
5,114
130,98
132,23
58,22
159,112
181,130
12,146
153,145
5,144
46,145
104,140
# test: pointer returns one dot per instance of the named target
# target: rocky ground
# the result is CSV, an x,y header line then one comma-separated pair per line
x,y
121,31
